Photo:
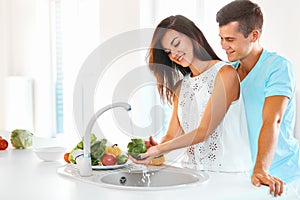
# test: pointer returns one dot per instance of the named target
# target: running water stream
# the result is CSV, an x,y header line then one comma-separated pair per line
x,y
146,173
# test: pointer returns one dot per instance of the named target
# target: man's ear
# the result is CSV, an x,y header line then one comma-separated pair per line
x,y
255,34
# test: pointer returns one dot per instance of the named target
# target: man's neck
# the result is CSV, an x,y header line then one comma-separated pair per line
x,y
247,64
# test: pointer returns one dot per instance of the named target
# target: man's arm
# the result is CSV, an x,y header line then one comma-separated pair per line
x,y
273,111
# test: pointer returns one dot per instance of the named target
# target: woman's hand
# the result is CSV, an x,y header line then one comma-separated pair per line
x,y
146,158
151,142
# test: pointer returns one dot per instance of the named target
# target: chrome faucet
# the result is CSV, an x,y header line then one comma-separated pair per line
x,y
84,163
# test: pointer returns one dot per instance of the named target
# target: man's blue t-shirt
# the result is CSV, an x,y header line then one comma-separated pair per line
x,y
273,75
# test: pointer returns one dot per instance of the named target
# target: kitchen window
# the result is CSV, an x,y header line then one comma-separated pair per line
x,y
75,33
57,38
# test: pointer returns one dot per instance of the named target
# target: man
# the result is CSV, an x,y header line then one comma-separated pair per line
x,y
268,86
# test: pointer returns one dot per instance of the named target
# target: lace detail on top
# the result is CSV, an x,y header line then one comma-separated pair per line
x,y
194,95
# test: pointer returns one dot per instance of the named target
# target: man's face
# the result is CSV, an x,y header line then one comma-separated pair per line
x,y
235,44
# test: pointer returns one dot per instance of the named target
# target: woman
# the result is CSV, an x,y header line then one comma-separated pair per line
x,y
208,114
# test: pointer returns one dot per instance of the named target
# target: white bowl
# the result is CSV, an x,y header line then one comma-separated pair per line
x,y
50,153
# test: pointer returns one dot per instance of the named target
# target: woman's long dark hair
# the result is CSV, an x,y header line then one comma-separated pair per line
x,y
166,72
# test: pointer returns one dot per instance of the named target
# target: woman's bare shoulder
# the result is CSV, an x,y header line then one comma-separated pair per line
x,y
228,71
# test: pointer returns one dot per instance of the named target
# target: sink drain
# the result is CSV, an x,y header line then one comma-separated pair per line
x,y
123,180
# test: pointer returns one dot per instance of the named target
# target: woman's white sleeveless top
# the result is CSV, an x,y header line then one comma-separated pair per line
x,y
227,148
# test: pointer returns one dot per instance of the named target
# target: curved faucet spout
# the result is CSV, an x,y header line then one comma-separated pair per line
x,y
86,169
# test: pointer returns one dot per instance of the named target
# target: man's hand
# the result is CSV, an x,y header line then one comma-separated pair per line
x,y
276,185
273,111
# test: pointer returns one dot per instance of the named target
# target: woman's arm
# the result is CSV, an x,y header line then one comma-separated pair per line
x,y
226,90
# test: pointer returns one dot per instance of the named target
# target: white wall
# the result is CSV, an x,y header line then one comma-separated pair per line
x,y
117,16
26,52
281,28
3,52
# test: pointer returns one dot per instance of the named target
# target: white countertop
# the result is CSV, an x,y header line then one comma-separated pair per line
x,y
24,176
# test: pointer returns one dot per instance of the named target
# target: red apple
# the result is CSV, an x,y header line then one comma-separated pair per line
x,y
108,159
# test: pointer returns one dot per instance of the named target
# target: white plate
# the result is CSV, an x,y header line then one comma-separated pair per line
x,y
100,167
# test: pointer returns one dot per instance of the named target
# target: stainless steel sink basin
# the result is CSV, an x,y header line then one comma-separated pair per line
x,y
166,177
135,178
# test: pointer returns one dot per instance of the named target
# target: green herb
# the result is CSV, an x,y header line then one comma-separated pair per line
x,y
98,149
122,159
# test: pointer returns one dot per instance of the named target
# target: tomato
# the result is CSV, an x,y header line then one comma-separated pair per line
x,y
3,144
152,141
108,159
147,143
66,157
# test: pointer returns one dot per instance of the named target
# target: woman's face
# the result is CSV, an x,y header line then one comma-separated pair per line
x,y
179,47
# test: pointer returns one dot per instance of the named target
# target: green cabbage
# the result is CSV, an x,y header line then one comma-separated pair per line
x,y
21,139
136,147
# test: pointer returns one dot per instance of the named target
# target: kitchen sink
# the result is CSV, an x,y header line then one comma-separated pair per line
x,y
137,177
165,177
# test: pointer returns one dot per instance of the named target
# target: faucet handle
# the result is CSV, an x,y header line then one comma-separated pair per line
x,y
77,153
83,163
